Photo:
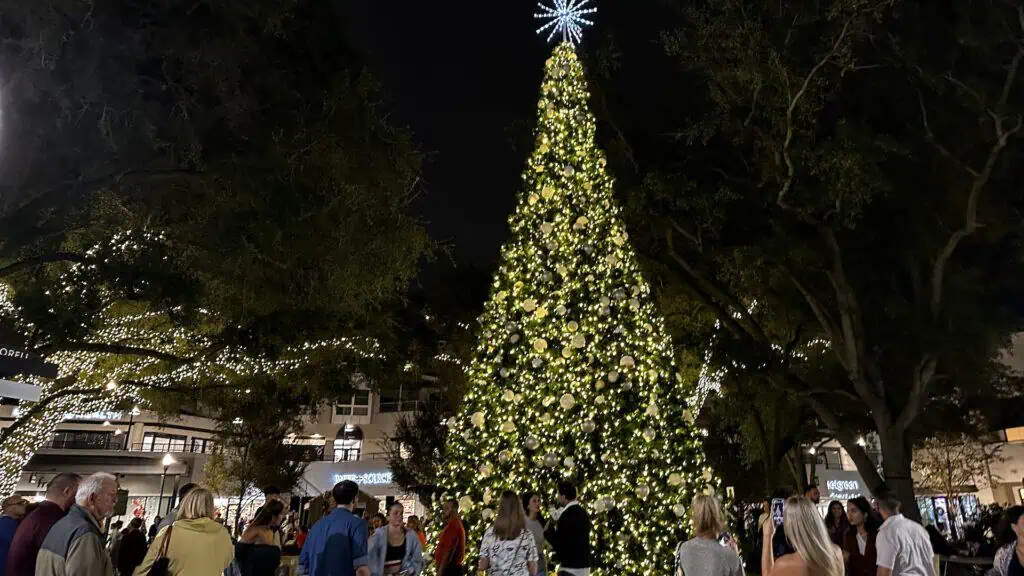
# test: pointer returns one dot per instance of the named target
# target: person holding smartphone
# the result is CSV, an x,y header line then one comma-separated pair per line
x,y
707,553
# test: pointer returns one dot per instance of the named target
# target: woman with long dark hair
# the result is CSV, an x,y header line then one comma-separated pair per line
x,y
256,552
1009,560
859,544
836,522
532,504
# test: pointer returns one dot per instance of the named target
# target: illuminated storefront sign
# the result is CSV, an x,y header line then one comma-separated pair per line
x,y
840,485
365,478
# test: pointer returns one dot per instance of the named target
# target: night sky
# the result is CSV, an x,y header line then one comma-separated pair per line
x,y
459,75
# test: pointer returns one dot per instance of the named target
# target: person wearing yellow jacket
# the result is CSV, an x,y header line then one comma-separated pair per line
x,y
197,546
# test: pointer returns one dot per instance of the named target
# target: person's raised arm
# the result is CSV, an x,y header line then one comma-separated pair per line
x,y
767,557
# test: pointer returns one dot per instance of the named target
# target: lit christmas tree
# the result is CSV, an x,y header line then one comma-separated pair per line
x,y
573,376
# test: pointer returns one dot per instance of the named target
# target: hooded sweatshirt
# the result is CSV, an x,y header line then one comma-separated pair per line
x,y
199,547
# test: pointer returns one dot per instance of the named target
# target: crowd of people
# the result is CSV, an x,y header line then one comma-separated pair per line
x,y
513,545
63,536
859,539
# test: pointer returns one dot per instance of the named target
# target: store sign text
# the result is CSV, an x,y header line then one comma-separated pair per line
x,y
843,489
367,479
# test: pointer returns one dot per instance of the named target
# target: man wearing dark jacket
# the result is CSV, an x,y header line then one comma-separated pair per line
x,y
570,536
60,495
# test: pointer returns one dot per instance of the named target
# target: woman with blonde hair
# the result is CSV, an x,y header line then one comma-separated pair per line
x,y
195,544
702,555
815,554
508,548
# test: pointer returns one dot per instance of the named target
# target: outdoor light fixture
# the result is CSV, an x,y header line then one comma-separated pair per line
x,y
168,460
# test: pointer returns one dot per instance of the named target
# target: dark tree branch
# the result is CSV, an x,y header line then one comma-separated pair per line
x,y
852,325
39,261
981,178
793,102
100,348
924,377
41,405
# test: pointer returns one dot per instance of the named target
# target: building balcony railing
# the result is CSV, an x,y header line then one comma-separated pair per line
x,y
403,406
110,443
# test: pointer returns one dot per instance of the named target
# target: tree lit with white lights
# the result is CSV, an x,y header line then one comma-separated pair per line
x,y
573,376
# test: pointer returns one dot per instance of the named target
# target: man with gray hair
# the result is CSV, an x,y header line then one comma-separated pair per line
x,y
74,546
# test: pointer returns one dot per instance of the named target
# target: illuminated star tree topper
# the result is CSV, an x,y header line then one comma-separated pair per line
x,y
565,17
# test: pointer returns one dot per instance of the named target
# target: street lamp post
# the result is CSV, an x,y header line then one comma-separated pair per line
x,y
168,460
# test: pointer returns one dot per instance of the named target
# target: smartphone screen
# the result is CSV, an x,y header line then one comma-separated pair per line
x,y
778,508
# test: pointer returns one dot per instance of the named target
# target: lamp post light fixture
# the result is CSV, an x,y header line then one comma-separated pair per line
x,y
167,462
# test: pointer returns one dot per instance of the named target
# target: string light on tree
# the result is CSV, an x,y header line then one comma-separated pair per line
x,y
594,391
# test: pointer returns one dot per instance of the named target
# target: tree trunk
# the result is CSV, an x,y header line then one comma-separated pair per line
x,y
896,459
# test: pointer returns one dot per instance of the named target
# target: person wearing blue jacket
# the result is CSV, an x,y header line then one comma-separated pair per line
x,y
394,549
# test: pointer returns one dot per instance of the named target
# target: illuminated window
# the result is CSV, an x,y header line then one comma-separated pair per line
x,y
348,446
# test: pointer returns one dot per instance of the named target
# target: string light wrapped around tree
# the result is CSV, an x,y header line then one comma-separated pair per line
x,y
597,397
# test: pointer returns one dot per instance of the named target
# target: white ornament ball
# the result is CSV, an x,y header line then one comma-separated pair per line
x,y
508,396
540,344
643,491
485,470
649,434
504,456
487,514
679,510
572,326
589,426
547,228
532,443
537,362
477,419
652,409
545,418
561,310
599,505
551,459
529,305
508,427
569,462
465,503
627,362
503,372
613,376
514,338
579,341
567,402
627,385
599,399
675,479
